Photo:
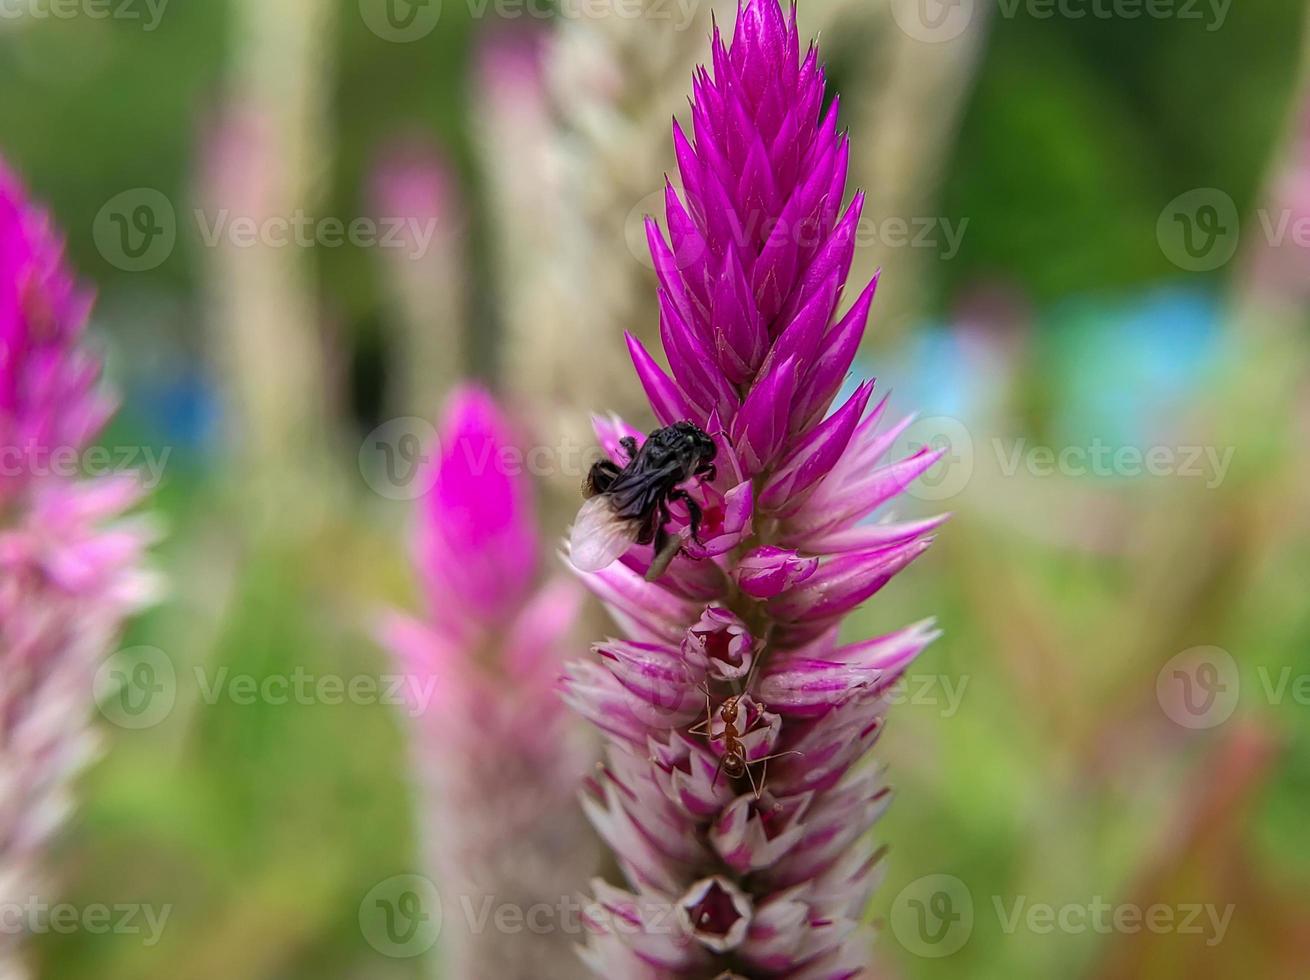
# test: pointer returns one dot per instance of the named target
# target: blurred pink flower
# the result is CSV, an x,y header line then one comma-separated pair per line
x,y
70,569
497,751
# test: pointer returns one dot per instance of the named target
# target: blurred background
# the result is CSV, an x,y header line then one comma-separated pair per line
x,y
306,218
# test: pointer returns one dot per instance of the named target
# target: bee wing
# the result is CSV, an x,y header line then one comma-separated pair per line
x,y
599,535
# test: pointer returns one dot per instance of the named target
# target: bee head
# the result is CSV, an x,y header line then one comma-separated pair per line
x,y
695,441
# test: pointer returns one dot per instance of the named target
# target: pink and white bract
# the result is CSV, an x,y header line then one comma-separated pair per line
x,y
766,874
70,569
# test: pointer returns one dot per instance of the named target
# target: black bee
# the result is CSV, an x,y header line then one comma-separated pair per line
x,y
628,504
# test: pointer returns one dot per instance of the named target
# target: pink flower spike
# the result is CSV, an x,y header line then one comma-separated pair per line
x,y
72,565
477,542
491,735
734,793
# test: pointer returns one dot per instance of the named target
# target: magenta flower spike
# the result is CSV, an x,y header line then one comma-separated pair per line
x,y
735,718
70,569
498,755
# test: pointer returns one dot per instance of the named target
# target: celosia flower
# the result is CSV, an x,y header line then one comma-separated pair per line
x,y
69,570
498,754
751,859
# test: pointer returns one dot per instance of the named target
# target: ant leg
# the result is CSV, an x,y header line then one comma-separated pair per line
x,y
757,790
777,755
709,718
764,773
715,781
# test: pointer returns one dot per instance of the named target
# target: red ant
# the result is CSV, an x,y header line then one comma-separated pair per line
x,y
734,761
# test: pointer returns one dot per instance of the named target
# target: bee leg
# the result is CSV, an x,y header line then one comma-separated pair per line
x,y
662,518
661,539
667,545
694,512
629,445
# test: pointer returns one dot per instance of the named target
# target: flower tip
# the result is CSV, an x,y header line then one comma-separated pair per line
x,y
925,629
